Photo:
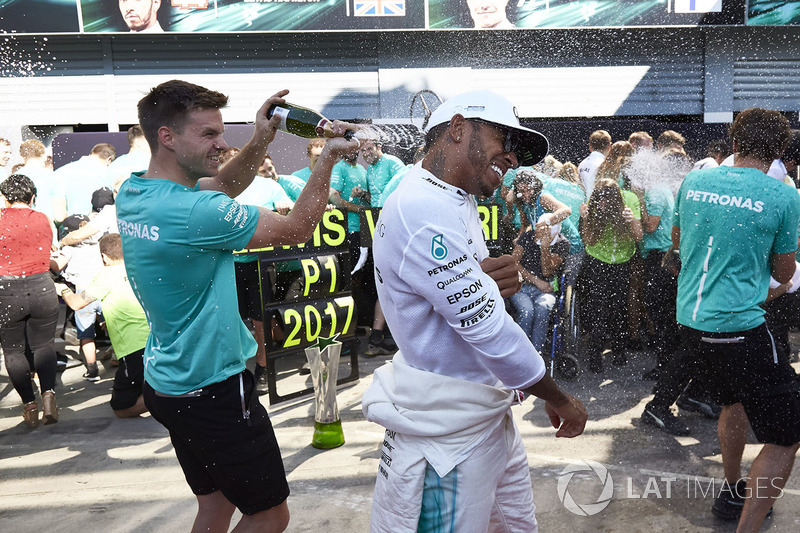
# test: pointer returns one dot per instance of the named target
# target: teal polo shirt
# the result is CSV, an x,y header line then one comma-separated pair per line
x,y
303,174
659,203
573,196
292,185
177,242
392,185
344,177
379,174
732,220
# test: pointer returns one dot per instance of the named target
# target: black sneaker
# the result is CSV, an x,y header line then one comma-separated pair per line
x,y
383,348
729,502
664,419
261,379
706,408
92,374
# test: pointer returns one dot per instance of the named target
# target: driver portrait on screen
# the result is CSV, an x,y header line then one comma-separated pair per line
x,y
489,14
141,15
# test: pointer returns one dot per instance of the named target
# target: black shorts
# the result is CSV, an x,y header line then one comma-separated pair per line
x,y
219,448
128,381
745,367
248,290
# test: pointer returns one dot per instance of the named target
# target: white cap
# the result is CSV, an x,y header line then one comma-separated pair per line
x,y
489,106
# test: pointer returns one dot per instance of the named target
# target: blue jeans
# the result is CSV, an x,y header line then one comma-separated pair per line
x,y
533,312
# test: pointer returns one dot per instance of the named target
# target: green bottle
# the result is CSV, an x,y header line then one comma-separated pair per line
x,y
302,121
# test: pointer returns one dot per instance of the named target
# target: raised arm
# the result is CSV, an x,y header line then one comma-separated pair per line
x,y
234,177
558,209
298,225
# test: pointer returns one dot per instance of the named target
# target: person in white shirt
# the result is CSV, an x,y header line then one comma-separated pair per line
x,y
445,399
50,191
136,160
82,177
716,152
780,169
599,145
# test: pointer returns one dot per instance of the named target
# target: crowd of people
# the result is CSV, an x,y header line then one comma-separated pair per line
x,y
608,226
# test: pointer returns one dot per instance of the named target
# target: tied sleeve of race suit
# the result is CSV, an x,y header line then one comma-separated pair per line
x,y
452,281
221,223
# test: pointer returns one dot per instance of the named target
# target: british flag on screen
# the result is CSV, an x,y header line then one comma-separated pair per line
x,y
379,8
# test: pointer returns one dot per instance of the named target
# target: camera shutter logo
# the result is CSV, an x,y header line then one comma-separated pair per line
x,y
585,509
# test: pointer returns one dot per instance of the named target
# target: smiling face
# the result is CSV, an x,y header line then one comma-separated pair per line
x,y
487,158
526,192
267,169
351,157
139,15
199,143
5,154
371,152
487,13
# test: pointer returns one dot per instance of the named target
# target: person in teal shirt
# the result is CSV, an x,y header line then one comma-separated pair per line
x,y
395,181
381,168
506,196
734,227
566,187
291,185
660,283
179,224
346,175
313,150
392,185
571,193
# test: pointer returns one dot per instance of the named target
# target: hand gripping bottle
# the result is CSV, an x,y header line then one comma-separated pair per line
x,y
303,122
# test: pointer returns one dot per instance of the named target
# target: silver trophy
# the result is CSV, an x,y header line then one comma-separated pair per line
x,y
323,360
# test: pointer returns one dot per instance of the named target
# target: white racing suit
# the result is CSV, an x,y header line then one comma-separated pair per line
x,y
459,434
445,400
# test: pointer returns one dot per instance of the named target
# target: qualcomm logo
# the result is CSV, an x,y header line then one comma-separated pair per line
x,y
585,509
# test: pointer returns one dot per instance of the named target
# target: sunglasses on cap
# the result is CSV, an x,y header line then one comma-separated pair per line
x,y
511,142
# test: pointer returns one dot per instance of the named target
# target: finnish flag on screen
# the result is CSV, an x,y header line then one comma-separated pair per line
x,y
698,6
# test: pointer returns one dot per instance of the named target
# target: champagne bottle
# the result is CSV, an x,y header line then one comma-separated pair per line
x,y
303,122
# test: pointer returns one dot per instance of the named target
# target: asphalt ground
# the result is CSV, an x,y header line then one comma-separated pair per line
x,y
93,472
